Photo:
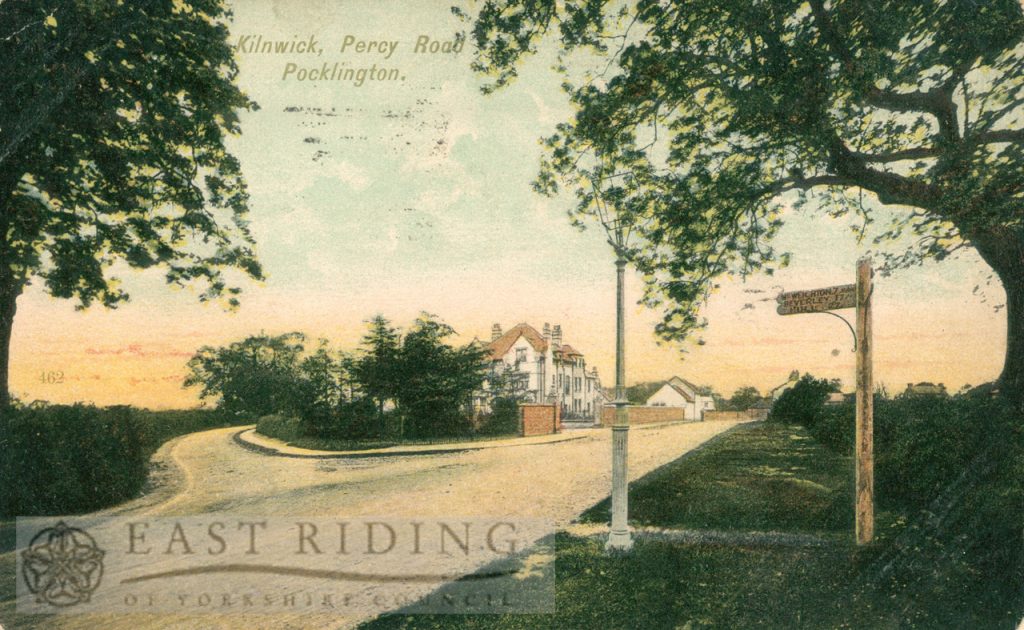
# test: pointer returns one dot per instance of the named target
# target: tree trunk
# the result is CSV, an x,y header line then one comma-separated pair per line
x,y
9,292
1003,250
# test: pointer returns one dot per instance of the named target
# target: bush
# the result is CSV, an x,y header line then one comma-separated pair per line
x,y
803,403
69,459
285,428
65,459
503,419
921,443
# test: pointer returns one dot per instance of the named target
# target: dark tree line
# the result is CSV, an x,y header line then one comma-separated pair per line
x,y
415,384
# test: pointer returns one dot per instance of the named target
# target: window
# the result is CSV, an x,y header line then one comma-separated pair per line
x,y
520,355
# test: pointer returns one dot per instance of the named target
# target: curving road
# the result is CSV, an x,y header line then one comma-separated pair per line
x,y
209,472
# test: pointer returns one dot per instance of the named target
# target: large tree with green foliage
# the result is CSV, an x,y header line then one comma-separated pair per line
x,y
702,119
438,380
259,375
113,117
376,367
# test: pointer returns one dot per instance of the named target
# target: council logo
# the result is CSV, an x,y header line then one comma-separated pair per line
x,y
62,566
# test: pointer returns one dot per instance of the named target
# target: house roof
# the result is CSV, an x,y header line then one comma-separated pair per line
x,y
500,346
683,387
682,382
568,351
926,388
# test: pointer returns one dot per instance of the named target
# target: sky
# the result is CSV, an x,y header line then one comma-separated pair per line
x,y
410,192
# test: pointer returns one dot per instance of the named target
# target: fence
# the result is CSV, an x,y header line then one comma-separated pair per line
x,y
644,415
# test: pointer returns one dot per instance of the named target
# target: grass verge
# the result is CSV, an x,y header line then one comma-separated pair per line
x,y
762,477
289,431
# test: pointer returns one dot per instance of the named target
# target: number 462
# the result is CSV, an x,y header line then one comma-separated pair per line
x,y
53,377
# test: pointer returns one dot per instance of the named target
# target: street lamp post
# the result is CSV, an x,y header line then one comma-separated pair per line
x,y
619,538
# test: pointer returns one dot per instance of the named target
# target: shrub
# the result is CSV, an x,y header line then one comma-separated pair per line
x,y
503,419
65,459
921,443
286,428
803,403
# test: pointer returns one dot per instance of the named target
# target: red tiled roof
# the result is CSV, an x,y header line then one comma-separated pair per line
x,y
568,351
500,346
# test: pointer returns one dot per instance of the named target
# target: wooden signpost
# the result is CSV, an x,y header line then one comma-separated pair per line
x,y
856,296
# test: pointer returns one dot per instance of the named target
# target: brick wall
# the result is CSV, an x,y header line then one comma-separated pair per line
x,y
750,414
538,419
643,415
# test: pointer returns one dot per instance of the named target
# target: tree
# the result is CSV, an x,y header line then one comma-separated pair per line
x,y
717,113
320,390
638,393
113,117
257,376
744,398
438,380
376,368
804,402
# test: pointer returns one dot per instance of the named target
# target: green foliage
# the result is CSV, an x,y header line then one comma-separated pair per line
x,y
112,146
804,402
766,477
114,118
257,376
638,393
428,382
376,367
438,380
503,419
742,399
698,123
285,428
68,459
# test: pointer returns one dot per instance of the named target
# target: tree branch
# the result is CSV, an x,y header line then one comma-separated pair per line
x,y
896,156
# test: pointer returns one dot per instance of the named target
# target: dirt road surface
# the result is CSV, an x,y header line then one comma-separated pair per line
x,y
209,472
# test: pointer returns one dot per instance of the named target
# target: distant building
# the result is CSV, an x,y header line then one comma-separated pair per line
x,y
546,370
678,392
794,378
838,398
925,389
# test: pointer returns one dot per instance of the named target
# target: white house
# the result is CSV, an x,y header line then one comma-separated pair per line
x,y
545,369
678,392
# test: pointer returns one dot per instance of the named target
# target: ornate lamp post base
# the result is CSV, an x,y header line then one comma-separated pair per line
x,y
619,541
619,538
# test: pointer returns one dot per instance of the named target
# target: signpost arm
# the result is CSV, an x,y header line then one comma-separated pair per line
x,y
865,506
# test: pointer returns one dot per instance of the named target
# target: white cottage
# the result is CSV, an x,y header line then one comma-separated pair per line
x,y
678,392
545,369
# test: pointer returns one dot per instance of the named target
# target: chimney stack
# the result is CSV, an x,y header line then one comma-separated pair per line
x,y
556,335
547,331
495,332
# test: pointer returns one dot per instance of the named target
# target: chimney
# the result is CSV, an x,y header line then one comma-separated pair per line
x,y
495,332
547,331
556,335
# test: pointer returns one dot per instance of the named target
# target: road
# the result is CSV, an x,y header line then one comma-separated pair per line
x,y
209,472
